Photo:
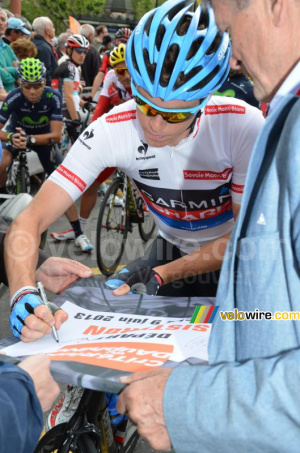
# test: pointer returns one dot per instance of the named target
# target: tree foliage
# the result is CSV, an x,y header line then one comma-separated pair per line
x,y
142,6
59,10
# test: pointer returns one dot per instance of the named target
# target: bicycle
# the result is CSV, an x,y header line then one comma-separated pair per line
x,y
122,207
88,431
18,179
18,174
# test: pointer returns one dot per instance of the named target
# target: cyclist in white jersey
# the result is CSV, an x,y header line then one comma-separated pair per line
x,y
116,90
187,153
66,78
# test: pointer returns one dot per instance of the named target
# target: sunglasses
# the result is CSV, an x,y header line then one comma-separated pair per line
x,y
80,50
169,115
121,71
34,85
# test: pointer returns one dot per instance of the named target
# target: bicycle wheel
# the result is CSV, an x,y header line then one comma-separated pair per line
x,y
112,229
146,227
23,181
53,440
11,185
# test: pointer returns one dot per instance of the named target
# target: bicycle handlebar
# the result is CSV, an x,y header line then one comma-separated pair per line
x,y
75,122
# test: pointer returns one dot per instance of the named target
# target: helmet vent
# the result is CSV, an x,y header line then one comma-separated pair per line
x,y
215,44
183,25
206,80
184,78
148,25
135,65
172,13
203,20
160,36
169,63
194,48
150,67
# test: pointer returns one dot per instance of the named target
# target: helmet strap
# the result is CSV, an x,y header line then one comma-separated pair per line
x,y
192,125
72,50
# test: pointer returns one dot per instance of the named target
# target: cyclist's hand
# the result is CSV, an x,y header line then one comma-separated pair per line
x,y
145,281
142,401
118,279
74,129
88,106
19,139
30,319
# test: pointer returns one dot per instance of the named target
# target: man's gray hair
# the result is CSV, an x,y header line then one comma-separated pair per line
x,y
4,12
86,30
40,24
62,39
239,4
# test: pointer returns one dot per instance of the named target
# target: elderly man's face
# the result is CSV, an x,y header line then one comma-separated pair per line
x,y
3,23
251,30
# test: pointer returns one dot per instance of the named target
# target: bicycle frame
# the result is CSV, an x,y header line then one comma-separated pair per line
x,y
15,174
130,194
117,219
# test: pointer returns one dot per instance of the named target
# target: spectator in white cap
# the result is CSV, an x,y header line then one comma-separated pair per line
x,y
15,29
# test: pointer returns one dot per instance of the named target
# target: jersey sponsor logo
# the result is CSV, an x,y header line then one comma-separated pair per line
x,y
150,173
84,144
221,109
71,68
237,188
42,120
88,134
78,182
123,116
55,84
75,86
5,106
191,210
143,148
207,174
49,95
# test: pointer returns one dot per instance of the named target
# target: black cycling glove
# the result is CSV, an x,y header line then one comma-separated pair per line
x,y
145,281
74,130
88,106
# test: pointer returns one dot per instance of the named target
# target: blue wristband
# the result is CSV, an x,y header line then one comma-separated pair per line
x,y
23,308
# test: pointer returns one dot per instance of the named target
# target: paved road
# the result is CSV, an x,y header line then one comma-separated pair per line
x,y
134,248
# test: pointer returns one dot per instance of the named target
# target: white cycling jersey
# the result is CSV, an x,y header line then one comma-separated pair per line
x,y
189,188
110,79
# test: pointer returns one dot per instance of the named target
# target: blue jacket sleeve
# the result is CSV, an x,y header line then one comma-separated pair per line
x,y
21,417
234,407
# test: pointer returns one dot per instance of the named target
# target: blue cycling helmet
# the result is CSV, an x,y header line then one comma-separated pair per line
x,y
178,53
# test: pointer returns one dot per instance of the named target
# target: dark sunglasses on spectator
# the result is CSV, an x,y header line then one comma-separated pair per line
x,y
34,85
121,71
80,50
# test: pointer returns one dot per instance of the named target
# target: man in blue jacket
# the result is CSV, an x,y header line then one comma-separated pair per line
x,y
45,32
246,399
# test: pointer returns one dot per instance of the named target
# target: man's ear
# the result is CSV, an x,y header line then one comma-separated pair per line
x,y
277,9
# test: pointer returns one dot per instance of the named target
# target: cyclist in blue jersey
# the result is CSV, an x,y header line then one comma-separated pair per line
x,y
35,119
238,85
